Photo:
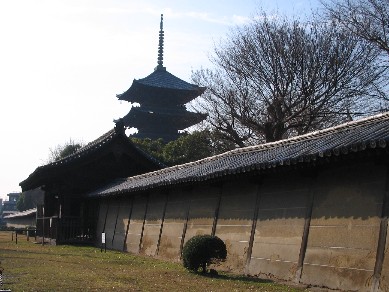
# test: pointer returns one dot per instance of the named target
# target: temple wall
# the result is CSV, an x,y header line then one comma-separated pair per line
x,y
282,206
235,221
203,201
135,227
21,222
384,283
152,223
110,223
119,235
174,225
101,220
318,228
345,226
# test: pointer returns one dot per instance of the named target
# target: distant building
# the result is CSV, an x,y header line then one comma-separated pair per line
x,y
22,219
162,97
10,205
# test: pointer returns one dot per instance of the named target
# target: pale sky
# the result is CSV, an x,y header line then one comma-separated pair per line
x,y
63,62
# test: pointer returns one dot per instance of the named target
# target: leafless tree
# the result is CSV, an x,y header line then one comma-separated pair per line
x,y
273,79
368,19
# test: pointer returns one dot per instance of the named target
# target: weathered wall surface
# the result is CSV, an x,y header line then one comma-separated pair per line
x,y
344,229
203,202
110,222
321,229
174,225
235,220
279,228
384,283
153,223
21,222
135,227
103,208
121,223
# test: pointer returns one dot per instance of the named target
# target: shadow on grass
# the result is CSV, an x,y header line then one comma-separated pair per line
x,y
240,278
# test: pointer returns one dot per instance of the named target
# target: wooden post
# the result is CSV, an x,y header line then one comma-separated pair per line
x,y
163,219
43,225
106,215
116,222
43,230
304,239
128,223
380,255
253,228
185,227
16,237
144,221
216,215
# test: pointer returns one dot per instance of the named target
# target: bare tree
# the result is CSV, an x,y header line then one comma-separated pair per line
x,y
277,78
368,19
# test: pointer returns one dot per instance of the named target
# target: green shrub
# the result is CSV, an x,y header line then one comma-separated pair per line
x,y
202,250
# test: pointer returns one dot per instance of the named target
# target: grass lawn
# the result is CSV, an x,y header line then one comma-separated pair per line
x,y
33,267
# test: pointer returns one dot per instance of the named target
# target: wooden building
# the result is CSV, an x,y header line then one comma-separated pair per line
x,y
162,98
64,215
311,209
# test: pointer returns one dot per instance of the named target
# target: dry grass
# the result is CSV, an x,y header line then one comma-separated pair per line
x,y
33,267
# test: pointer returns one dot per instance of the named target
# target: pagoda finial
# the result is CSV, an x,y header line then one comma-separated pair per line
x,y
160,46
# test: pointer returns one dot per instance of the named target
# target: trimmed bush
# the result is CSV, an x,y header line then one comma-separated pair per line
x,y
202,250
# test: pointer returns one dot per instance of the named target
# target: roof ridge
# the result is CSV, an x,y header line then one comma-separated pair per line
x,y
316,133
254,148
85,148
355,136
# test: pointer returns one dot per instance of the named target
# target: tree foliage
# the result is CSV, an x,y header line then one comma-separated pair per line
x,y
188,148
61,151
20,203
24,203
275,78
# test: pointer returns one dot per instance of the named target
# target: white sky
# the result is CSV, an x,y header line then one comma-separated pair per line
x,y
63,62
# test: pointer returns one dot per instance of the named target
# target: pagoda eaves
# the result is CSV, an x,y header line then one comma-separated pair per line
x,y
177,119
161,86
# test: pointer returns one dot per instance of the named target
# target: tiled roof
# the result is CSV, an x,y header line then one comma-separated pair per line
x,y
21,214
164,79
177,119
87,150
162,88
356,136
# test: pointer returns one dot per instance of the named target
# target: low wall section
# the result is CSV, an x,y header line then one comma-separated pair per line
x,y
326,228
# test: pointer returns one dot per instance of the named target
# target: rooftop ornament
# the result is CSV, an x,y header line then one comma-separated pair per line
x,y
160,47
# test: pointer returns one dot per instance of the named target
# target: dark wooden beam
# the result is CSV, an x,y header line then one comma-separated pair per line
x,y
253,228
380,255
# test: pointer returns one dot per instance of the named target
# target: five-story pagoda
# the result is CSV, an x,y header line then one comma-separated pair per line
x,y
162,98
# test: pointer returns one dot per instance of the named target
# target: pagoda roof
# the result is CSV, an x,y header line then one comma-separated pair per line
x,y
161,84
162,78
177,118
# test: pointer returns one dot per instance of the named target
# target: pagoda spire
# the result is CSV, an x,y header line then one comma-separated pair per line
x,y
160,46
